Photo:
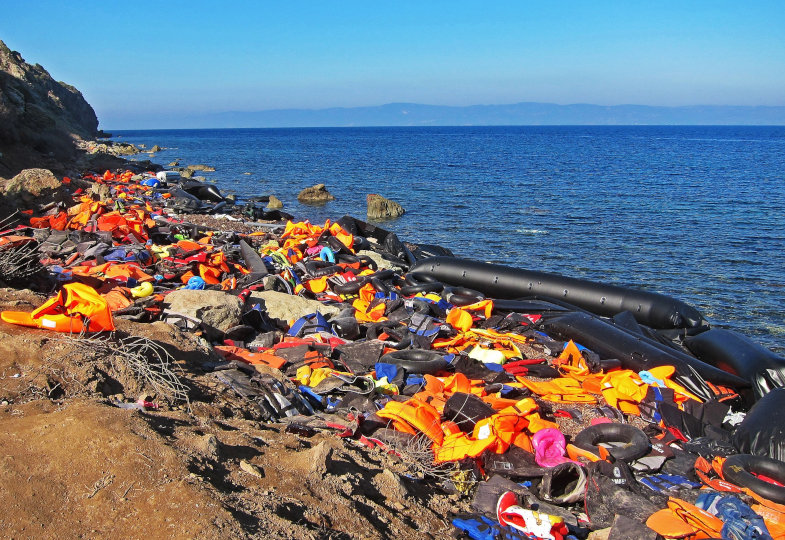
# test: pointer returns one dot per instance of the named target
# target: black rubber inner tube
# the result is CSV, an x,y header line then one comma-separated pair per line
x,y
636,443
347,258
461,296
416,360
383,274
420,283
321,268
365,260
379,285
742,468
350,287
399,333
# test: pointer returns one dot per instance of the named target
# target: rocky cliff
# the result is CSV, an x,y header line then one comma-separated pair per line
x,y
40,118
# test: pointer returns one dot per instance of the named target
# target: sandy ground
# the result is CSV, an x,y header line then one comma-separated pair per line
x,y
76,466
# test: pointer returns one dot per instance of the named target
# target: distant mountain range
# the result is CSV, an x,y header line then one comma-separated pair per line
x,y
413,114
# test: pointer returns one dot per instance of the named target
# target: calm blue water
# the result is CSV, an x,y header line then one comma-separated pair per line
x,y
693,212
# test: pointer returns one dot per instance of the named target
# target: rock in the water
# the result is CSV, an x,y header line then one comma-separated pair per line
x,y
205,168
218,310
155,148
33,188
186,173
174,163
274,203
382,208
285,306
317,194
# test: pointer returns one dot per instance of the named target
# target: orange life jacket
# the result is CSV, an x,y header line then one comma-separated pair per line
x,y
75,305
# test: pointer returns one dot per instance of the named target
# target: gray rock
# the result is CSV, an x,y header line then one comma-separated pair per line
x,y
274,203
390,485
121,149
102,191
34,188
205,168
382,208
174,163
317,194
218,310
287,307
186,173
209,447
321,459
251,469
156,148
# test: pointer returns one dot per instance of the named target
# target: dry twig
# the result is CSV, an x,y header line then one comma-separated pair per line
x,y
150,363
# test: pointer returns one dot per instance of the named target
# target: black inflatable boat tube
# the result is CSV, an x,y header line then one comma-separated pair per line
x,y
742,469
253,261
733,352
498,281
635,352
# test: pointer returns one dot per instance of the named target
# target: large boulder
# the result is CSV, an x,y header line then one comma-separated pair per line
x,y
34,189
317,194
218,310
380,208
287,307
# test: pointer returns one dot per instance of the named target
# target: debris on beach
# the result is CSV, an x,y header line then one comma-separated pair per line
x,y
323,379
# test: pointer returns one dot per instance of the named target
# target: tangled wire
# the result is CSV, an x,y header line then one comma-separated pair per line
x,y
19,260
150,363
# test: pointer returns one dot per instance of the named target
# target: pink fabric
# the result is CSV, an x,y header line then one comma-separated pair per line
x,y
601,420
549,446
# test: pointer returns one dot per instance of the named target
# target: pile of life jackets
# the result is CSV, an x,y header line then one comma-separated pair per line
x,y
406,364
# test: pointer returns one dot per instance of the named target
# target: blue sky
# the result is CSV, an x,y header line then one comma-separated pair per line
x,y
148,64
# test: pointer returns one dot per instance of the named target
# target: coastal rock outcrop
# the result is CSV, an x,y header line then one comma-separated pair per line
x,y
205,168
382,208
317,194
40,118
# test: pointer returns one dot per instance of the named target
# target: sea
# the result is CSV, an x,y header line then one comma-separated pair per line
x,y
697,213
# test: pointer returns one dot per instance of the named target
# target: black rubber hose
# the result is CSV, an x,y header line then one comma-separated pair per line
x,y
742,468
636,443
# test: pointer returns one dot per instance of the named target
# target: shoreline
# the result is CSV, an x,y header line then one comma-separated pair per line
x,y
258,441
